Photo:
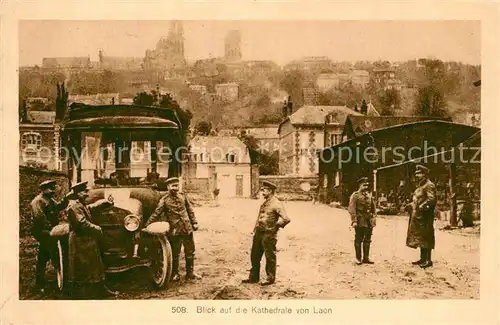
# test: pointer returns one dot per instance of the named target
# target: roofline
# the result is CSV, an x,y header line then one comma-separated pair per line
x,y
279,126
395,127
478,133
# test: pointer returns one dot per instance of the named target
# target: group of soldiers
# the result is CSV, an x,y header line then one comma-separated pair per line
x,y
86,268
421,223
86,271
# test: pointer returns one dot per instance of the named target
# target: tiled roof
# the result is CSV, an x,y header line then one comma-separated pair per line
x,y
316,114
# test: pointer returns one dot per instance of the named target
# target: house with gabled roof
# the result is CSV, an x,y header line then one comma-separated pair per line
x,y
303,133
222,163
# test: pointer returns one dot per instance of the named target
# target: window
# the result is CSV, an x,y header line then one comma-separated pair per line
x,y
335,139
140,158
337,178
231,157
31,141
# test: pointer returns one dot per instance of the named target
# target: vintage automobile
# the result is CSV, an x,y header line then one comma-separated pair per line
x,y
123,151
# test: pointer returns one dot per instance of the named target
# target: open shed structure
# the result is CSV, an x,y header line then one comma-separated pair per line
x,y
371,154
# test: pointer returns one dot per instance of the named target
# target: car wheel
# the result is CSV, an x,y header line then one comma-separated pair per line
x,y
60,267
161,258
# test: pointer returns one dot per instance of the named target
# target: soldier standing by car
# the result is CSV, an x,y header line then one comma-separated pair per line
x,y
85,265
272,217
421,224
45,215
176,209
363,219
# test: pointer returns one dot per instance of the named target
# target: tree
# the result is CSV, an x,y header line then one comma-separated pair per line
x,y
430,102
203,128
293,83
364,107
430,97
390,101
144,99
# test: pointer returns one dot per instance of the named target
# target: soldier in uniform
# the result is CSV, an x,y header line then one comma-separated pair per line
x,y
363,219
176,209
272,217
85,265
421,224
45,213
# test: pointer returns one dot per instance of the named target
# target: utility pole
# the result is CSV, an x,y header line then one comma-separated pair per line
x,y
453,194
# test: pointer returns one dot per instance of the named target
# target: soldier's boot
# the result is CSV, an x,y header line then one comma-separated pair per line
x,y
190,274
175,270
422,257
428,262
254,275
357,248
366,254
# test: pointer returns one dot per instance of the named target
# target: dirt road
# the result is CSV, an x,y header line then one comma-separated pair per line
x,y
315,260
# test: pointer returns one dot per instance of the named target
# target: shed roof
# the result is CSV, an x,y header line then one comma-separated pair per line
x,y
361,124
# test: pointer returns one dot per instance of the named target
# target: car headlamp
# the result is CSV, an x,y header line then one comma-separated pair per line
x,y
132,222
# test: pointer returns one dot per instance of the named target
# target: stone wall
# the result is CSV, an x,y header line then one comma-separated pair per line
x,y
289,188
29,181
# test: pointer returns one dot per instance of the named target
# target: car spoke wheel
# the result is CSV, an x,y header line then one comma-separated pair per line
x,y
161,261
60,267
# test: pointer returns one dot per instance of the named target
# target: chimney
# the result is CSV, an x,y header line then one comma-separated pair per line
x,y
290,106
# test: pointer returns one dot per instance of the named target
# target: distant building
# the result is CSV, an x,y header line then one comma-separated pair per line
x,y
227,91
327,81
311,63
169,51
232,46
39,140
303,133
119,63
360,78
67,63
386,79
97,99
199,88
224,163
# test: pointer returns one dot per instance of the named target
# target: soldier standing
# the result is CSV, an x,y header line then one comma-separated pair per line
x,y
175,209
45,214
363,219
272,216
85,265
421,224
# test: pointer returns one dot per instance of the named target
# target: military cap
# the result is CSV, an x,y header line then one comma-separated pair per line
x,y
48,184
172,180
421,169
363,180
269,184
79,187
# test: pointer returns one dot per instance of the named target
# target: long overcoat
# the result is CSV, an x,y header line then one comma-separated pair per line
x,y
85,263
421,223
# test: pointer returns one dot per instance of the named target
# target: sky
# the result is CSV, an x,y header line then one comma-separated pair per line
x,y
280,41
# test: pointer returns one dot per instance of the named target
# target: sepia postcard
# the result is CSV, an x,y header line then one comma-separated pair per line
x,y
249,162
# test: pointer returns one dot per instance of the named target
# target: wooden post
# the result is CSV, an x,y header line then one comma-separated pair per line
x,y
453,197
